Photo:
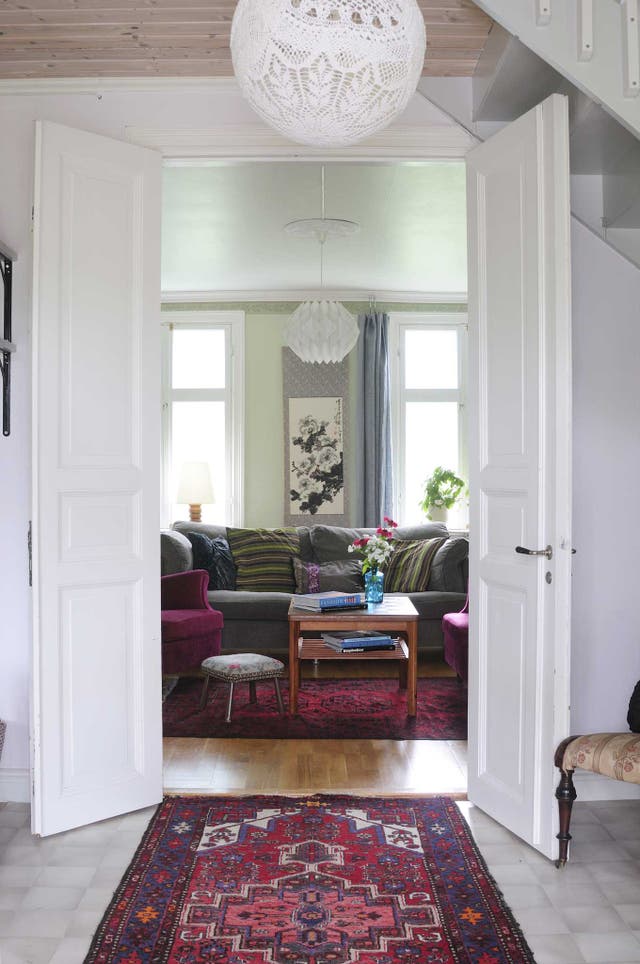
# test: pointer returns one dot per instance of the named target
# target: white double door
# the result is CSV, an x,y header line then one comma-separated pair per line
x,y
96,668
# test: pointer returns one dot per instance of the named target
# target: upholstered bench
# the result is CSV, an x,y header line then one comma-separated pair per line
x,y
248,668
614,755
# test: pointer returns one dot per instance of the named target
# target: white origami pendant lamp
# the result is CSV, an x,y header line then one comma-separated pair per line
x,y
321,331
328,72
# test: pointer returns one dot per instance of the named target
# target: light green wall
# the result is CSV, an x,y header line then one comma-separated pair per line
x,y
264,422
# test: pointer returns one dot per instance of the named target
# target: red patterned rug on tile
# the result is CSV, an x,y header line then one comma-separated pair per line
x,y
358,709
320,880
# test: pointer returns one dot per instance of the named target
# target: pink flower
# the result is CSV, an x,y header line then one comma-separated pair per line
x,y
360,543
390,523
385,533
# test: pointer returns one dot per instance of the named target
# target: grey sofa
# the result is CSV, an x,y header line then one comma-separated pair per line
x,y
257,621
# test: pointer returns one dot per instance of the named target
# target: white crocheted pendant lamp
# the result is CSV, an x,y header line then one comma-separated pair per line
x,y
328,72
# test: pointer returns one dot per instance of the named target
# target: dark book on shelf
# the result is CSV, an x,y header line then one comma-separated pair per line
x,y
376,647
363,638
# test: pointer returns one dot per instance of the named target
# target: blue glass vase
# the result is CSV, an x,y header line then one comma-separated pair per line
x,y
373,585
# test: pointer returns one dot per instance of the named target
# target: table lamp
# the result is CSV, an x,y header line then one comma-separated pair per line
x,y
195,488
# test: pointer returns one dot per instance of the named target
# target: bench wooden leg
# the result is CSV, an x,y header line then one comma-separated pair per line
x,y
565,795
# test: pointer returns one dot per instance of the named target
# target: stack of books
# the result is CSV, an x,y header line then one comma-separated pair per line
x,y
322,602
358,641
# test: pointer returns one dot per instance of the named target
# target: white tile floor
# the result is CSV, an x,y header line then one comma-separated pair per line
x,y
53,892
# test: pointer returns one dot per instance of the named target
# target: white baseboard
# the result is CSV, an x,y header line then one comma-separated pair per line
x,y
593,786
14,786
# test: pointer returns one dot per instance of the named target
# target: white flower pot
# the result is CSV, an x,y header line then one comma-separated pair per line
x,y
438,513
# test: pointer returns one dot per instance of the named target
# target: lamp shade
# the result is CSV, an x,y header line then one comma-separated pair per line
x,y
194,487
330,72
321,331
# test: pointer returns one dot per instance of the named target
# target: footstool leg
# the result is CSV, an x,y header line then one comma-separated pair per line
x,y
229,704
252,692
276,683
205,687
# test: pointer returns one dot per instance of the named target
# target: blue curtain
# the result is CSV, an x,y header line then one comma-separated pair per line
x,y
374,468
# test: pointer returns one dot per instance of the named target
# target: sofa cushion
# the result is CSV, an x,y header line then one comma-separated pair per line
x,y
214,555
448,567
253,606
409,566
332,542
215,532
322,577
435,605
263,558
175,553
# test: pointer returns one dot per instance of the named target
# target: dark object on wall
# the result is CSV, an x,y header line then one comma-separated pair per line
x,y
633,716
7,257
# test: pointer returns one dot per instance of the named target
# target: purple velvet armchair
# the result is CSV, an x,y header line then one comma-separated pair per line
x,y
191,629
455,629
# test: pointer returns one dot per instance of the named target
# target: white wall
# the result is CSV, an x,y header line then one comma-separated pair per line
x,y
109,113
606,465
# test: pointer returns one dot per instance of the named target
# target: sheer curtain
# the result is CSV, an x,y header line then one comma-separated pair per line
x,y
374,464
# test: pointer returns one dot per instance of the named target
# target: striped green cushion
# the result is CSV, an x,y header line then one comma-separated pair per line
x,y
263,558
409,567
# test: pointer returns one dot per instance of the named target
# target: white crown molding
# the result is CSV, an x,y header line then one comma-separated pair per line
x,y
332,294
14,785
98,85
241,141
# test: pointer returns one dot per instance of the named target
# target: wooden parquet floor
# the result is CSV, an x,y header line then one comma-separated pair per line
x,y
318,766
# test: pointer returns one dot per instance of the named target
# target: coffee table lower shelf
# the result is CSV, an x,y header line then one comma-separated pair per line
x,y
317,649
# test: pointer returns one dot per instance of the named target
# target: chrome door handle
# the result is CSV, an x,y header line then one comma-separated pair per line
x,y
548,552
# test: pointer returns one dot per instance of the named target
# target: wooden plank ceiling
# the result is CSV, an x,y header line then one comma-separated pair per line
x,y
181,38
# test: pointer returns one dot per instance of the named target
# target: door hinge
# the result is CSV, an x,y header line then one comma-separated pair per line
x,y
29,547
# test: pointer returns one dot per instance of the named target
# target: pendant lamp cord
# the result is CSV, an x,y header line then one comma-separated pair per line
x,y
322,237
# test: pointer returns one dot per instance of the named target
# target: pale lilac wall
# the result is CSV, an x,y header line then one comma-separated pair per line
x,y
606,484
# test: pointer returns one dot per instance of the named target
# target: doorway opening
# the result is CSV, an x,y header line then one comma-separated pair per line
x,y
232,277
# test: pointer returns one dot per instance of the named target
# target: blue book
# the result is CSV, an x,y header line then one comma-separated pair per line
x,y
358,638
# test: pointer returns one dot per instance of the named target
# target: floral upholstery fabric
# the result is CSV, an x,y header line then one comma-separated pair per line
x,y
242,667
615,755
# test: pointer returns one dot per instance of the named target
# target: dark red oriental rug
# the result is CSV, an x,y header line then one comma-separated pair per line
x,y
357,709
320,880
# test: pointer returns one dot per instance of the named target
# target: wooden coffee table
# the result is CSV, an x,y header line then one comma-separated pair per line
x,y
395,614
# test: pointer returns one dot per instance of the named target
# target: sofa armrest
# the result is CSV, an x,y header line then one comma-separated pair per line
x,y
175,552
185,590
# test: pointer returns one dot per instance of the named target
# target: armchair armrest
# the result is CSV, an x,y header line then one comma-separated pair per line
x,y
185,590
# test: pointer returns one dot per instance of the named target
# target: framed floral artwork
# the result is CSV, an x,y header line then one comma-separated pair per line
x,y
316,439
316,454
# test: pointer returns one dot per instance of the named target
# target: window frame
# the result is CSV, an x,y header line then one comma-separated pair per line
x,y
399,323
233,325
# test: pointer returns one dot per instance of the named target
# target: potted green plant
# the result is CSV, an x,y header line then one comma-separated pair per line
x,y
442,490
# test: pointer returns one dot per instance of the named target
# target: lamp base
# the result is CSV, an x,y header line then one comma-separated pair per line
x,y
195,512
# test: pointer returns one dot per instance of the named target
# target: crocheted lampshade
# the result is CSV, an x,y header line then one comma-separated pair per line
x,y
328,72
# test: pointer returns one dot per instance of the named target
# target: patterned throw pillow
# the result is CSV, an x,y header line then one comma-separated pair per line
x,y
409,567
213,555
340,576
263,558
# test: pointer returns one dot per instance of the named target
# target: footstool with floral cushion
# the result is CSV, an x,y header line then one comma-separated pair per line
x,y
248,668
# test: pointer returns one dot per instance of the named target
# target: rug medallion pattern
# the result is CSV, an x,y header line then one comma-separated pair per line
x,y
322,880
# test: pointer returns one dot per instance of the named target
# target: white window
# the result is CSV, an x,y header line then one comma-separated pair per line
x,y
203,394
428,387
